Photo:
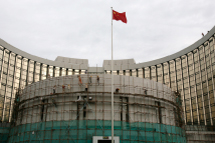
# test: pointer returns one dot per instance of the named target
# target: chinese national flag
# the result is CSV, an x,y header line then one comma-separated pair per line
x,y
119,16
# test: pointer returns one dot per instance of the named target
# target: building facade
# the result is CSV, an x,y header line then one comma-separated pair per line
x,y
78,108
190,71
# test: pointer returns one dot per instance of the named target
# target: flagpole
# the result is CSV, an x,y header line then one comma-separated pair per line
x,y
112,103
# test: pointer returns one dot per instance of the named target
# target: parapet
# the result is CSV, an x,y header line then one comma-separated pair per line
x,y
72,61
119,64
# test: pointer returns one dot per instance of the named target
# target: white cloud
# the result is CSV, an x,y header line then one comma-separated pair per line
x,y
80,29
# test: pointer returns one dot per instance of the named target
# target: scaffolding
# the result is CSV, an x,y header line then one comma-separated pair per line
x,y
61,108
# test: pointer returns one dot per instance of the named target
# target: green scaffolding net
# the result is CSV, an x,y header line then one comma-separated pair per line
x,y
82,131
4,134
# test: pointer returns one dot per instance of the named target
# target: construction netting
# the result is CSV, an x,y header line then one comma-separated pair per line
x,y
76,108
82,131
4,132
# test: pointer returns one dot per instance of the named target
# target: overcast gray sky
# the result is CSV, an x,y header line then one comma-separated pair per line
x,y
82,29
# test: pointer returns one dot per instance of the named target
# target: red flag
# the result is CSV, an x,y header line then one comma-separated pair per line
x,y
119,16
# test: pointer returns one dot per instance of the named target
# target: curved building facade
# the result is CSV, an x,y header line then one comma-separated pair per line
x,y
191,72
76,109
